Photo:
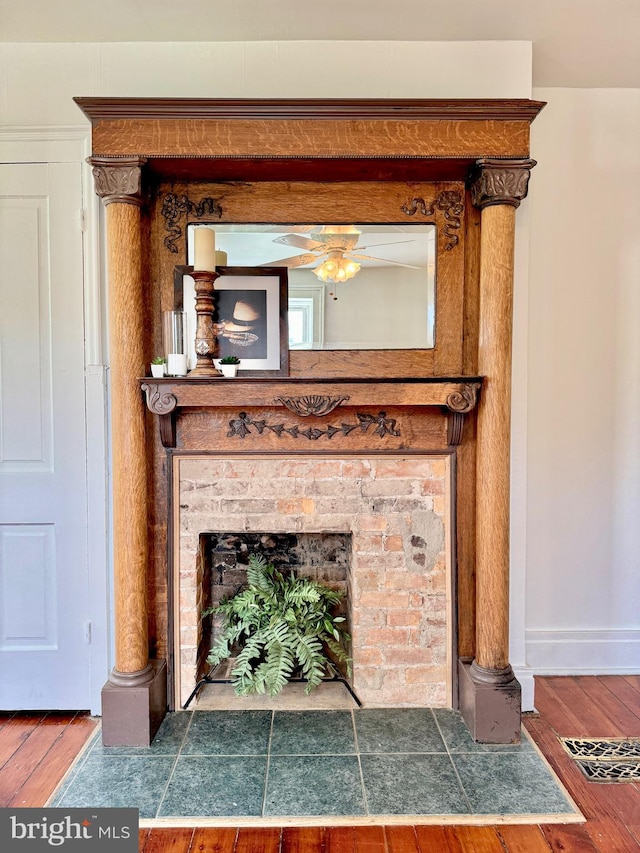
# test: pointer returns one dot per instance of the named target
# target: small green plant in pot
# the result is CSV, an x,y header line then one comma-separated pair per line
x,y
229,365
157,367
284,624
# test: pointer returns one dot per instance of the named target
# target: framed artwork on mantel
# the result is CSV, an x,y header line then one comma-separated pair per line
x,y
251,318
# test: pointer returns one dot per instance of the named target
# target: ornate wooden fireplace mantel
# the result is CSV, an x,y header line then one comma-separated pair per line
x,y
453,397
461,165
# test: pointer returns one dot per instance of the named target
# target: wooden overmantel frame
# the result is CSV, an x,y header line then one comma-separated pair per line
x,y
430,156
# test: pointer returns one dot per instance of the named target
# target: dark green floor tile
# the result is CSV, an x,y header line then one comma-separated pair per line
x,y
228,733
167,741
312,733
213,786
458,738
397,730
412,784
509,784
117,781
314,785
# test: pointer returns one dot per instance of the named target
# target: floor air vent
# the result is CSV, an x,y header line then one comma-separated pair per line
x,y
606,759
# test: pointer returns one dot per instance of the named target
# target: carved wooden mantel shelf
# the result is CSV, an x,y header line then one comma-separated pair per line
x,y
309,398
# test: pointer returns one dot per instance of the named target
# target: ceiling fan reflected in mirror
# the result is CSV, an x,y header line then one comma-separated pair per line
x,y
338,245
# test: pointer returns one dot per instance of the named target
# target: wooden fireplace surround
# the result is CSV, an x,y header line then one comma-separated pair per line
x,y
460,164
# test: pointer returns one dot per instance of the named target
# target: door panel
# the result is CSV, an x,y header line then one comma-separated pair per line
x,y
44,628
29,591
25,344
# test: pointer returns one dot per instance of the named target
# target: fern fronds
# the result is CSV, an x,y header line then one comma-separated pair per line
x,y
282,622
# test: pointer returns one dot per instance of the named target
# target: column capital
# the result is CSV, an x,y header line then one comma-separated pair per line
x,y
499,181
118,179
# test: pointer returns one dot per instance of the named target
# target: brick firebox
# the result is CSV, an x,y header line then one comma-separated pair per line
x,y
396,510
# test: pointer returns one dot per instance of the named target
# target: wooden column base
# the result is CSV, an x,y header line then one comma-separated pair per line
x,y
490,703
131,715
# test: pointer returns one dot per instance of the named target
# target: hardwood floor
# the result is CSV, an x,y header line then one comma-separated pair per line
x,y
36,750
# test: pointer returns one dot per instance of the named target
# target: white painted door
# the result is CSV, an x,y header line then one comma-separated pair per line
x,y
44,627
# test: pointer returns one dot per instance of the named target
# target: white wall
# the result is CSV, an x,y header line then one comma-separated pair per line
x,y
583,460
362,316
39,80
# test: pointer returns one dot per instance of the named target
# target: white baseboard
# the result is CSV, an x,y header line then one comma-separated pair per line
x,y
583,652
525,674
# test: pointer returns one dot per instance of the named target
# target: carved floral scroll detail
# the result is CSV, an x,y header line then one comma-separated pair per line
x,y
159,402
174,207
380,425
448,201
464,399
312,404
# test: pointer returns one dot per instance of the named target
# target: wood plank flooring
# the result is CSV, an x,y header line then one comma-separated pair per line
x,y
36,750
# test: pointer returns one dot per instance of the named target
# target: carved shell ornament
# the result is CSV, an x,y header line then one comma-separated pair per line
x,y
313,404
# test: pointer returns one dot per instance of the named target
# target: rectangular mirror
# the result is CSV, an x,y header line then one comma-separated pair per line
x,y
350,286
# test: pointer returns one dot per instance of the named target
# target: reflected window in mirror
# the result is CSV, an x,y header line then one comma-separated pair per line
x,y
306,316
350,286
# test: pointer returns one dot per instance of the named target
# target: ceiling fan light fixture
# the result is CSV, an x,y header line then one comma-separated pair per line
x,y
336,268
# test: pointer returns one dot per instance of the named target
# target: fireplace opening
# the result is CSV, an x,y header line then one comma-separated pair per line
x,y
322,557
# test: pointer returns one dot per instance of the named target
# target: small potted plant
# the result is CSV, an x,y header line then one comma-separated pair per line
x,y
157,367
229,365
283,625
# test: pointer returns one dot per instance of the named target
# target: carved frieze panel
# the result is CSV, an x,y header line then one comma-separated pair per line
x,y
379,425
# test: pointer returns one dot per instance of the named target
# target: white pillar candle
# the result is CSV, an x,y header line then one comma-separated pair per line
x,y
204,249
176,364
221,258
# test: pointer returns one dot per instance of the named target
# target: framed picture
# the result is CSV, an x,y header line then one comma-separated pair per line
x,y
251,318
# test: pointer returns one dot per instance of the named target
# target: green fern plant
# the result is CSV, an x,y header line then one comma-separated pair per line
x,y
284,624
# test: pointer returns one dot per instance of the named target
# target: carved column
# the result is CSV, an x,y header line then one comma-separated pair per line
x,y
489,691
128,715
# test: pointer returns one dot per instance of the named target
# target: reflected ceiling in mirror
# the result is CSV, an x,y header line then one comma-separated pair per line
x,y
350,286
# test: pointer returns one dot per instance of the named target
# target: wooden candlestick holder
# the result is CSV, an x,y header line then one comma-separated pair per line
x,y
206,340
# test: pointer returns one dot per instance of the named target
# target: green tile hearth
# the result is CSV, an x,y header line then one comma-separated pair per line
x,y
270,765
301,785
312,733
202,786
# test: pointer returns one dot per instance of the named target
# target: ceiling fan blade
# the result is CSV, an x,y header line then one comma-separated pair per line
x,y
295,261
299,242
390,243
382,260
300,229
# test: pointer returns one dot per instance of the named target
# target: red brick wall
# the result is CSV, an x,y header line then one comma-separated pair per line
x,y
397,512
